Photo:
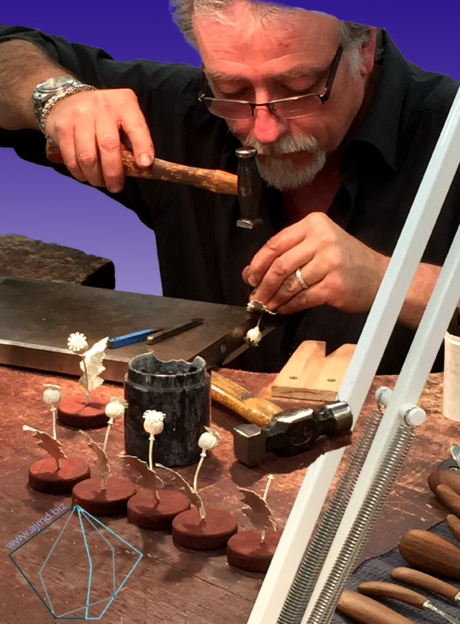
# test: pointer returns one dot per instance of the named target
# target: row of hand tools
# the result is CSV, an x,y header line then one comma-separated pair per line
x,y
430,555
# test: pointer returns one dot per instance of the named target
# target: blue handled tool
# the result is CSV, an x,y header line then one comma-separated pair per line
x,y
153,336
126,339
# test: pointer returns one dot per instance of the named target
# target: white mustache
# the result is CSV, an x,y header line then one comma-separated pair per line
x,y
285,145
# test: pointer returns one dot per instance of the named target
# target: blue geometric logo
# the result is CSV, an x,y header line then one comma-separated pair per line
x,y
76,565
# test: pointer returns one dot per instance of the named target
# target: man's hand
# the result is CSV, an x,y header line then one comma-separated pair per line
x,y
339,270
86,127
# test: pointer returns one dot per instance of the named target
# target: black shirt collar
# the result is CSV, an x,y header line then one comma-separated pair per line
x,y
380,126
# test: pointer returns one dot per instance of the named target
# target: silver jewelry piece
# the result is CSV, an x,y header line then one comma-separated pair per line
x,y
254,335
257,306
300,279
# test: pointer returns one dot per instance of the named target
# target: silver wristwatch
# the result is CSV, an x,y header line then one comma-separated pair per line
x,y
46,90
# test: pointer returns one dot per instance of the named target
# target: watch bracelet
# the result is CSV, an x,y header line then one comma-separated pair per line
x,y
48,107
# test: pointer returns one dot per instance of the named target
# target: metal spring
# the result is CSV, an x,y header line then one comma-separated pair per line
x,y
370,509
316,552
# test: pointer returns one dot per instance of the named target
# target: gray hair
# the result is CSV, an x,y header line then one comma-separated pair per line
x,y
352,35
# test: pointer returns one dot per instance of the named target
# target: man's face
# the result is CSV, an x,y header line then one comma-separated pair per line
x,y
276,61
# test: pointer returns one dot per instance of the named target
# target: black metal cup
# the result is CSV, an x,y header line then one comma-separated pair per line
x,y
180,389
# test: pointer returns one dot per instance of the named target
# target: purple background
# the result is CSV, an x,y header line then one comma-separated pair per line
x,y
82,217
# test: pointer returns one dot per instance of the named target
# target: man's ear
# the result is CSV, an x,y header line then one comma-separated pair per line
x,y
368,53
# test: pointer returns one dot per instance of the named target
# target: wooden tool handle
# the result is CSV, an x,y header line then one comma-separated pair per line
x,y
454,526
444,477
414,577
368,611
449,499
431,553
209,179
253,409
390,590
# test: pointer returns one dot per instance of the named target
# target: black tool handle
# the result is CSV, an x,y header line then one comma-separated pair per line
x,y
174,331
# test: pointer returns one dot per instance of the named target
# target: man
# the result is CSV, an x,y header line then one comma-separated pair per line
x,y
343,137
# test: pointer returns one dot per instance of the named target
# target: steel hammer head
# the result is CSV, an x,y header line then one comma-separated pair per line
x,y
291,432
249,188
249,444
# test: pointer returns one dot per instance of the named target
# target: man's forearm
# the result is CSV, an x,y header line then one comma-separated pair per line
x,y
419,294
22,66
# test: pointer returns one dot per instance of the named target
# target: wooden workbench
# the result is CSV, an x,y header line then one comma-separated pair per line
x,y
170,584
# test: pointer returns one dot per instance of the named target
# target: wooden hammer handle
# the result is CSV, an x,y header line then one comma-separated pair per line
x,y
209,179
253,409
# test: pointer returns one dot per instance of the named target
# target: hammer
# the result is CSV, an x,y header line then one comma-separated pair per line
x,y
247,185
291,432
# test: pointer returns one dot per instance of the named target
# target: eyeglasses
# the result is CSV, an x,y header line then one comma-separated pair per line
x,y
286,108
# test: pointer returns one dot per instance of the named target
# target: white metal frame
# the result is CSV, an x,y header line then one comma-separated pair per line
x,y
374,338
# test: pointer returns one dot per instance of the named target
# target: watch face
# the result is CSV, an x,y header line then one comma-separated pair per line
x,y
57,82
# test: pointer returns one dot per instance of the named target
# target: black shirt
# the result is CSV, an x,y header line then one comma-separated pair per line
x,y
201,251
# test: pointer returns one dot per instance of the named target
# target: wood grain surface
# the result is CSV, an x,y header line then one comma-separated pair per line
x,y
209,179
426,581
172,585
444,477
448,498
431,553
367,610
391,590
453,522
311,375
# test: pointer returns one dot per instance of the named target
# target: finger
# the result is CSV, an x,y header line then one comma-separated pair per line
x,y
135,126
245,275
87,153
310,298
273,249
69,156
312,274
109,145
281,273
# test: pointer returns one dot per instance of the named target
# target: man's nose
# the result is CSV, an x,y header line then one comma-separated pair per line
x,y
267,126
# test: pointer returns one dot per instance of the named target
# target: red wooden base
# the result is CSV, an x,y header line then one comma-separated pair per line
x,y
109,502
146,512
75,413
213,533
44,475
246,551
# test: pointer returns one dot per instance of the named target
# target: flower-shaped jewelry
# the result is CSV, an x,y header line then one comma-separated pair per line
x,y
114,409
91,361
253,336
77,342
52,396
207,442
153,422
153,425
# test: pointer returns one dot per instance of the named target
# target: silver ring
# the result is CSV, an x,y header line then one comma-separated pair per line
x,y
300,279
